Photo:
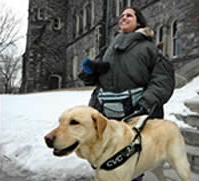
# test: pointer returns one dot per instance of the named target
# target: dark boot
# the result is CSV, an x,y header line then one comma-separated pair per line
x,y
139,178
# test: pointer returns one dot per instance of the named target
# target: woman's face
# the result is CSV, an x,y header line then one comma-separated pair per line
x,y
128,21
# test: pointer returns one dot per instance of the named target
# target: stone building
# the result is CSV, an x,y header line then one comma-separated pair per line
x,y
62,33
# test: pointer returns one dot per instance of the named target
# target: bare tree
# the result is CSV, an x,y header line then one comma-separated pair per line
x,y
9,70
9,35
9,29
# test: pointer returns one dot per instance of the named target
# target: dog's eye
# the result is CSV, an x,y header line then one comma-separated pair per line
x,y
74,122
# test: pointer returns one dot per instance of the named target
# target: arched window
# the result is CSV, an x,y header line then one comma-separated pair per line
x,y
174,39
160,37
81,23
87,16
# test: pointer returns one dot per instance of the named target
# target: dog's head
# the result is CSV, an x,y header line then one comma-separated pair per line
x,y
77,126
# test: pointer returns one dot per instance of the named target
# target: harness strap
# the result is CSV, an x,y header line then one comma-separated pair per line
x,y
138,135
124,154
147,118
135,146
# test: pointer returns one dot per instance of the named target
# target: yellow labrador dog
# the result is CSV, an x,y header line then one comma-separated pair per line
x,y
93,137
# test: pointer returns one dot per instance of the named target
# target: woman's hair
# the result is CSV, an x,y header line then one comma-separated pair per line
x,y
140,17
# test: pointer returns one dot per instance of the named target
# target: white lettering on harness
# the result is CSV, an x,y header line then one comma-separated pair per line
x,y
117,160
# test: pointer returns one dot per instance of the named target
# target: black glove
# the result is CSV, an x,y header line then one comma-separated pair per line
x,y
88,79
145,108
90,67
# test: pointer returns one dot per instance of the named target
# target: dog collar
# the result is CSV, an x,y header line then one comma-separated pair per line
x,y
124,154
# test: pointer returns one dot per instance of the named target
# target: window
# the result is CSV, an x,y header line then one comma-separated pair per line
x,y
174,39
116,8
160,37
76,27
87,16
126,3
131,2
38,14
56,24
120,6
100,41
81,23
74,67
41,14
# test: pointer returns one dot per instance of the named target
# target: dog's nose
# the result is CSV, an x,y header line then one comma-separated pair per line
x,y
49,139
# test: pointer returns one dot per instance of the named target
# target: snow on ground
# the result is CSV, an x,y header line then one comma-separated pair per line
x,y
25,119
176,103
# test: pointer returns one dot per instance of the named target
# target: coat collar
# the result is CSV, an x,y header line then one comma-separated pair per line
x,y
124,40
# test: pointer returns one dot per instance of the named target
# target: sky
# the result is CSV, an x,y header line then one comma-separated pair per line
x,y
20,8
26,119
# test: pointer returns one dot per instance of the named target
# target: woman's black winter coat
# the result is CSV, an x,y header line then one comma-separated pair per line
x,y
135,62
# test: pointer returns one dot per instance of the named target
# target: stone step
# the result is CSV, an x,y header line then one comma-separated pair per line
x,y
191,136
193,157
192,119
193,104
192,146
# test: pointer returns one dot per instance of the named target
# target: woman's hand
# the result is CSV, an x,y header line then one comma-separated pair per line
x,y
90,67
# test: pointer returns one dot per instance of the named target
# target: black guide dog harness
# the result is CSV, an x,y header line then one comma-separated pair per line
x,y
125,153
134,147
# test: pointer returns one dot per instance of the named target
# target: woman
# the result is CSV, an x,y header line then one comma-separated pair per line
x,y
131,63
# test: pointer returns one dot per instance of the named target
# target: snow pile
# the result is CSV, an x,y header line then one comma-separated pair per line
x,y
25,119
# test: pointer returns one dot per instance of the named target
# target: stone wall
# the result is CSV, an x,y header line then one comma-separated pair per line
x,y
54,52
45,49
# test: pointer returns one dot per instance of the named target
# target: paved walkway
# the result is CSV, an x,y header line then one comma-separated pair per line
x,y
148,177
170,174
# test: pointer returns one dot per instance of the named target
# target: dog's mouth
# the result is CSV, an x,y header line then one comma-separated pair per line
x,y
66,151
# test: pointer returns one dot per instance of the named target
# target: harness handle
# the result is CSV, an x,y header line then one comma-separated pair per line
x,y
127,118
148,117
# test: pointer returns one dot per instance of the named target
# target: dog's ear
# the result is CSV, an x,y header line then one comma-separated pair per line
x,y
100,123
